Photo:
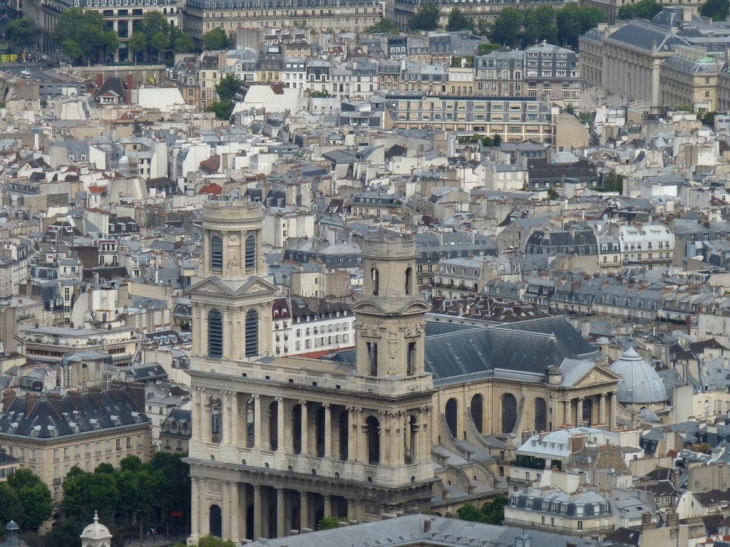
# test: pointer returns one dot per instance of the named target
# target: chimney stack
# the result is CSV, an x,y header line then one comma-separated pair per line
x,y
426,525
99,80
30,401
8,399
55,400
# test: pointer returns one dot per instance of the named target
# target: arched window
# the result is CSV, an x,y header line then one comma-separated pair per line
x,y
376,281
409,280
215,334
452,418
216,254
373,428
250,253
540,414
587,411
274,425
509,412
216,521
252,333
477,409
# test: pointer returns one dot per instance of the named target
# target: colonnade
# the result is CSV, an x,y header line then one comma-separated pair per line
x,y
573,410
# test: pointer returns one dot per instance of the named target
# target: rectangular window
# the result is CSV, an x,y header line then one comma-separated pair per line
x,y
373,357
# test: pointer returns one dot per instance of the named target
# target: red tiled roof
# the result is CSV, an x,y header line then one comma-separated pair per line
x,y
211,189
97,189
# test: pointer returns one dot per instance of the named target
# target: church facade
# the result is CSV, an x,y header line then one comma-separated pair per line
x,y
280,443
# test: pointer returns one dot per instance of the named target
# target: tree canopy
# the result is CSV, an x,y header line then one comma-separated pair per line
x,y
491,512
717,9
644,9
506,28
384,26
36,502
84,35
156,37
427,17
216,39
538,25
21,32
574,20
459,21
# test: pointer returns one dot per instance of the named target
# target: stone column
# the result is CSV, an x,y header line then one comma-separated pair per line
x,y
382,437
327,430
567,418
257,422
227,333
226,511
327,505
234,418
226,422
280,513
303,511
579,414
602,408
194,507
235,511
612,412
257,512
243,511
305,428
280,419
198,413
393,440
351,511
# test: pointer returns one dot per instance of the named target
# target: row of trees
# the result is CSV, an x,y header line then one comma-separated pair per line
x,y
491,512
86,36
21,32
513,27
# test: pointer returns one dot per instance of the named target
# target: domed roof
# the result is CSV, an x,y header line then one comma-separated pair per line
x,y
639,382
96,530
673,17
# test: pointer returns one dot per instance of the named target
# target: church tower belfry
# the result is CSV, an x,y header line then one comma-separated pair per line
x,y
232,304
391,323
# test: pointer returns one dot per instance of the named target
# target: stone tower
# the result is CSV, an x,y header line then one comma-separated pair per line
x,y
232,305
391,324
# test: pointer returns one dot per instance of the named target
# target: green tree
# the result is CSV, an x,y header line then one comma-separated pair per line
x,y
153,23
64,534
21,32
35,499
228,87
222,109
328,523
184,43
213,541
644,9
384,26
160,42
539,25
427,17
215,40
130,463
506,28
486,49
84,35
137,42
10,507
717,9
104,469
613,183
459,21
72,50
86,493
137,492
493,511
470,512
174,482
574,20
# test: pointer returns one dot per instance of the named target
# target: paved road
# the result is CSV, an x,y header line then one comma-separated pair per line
x,y
37,71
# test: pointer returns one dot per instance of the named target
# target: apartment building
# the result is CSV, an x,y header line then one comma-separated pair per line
x,y
306,325
348,15
512,119
551,72
690,78
14,271
500,73
52,433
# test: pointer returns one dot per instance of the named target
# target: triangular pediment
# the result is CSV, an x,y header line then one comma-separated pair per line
x,y
214,286
596,375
